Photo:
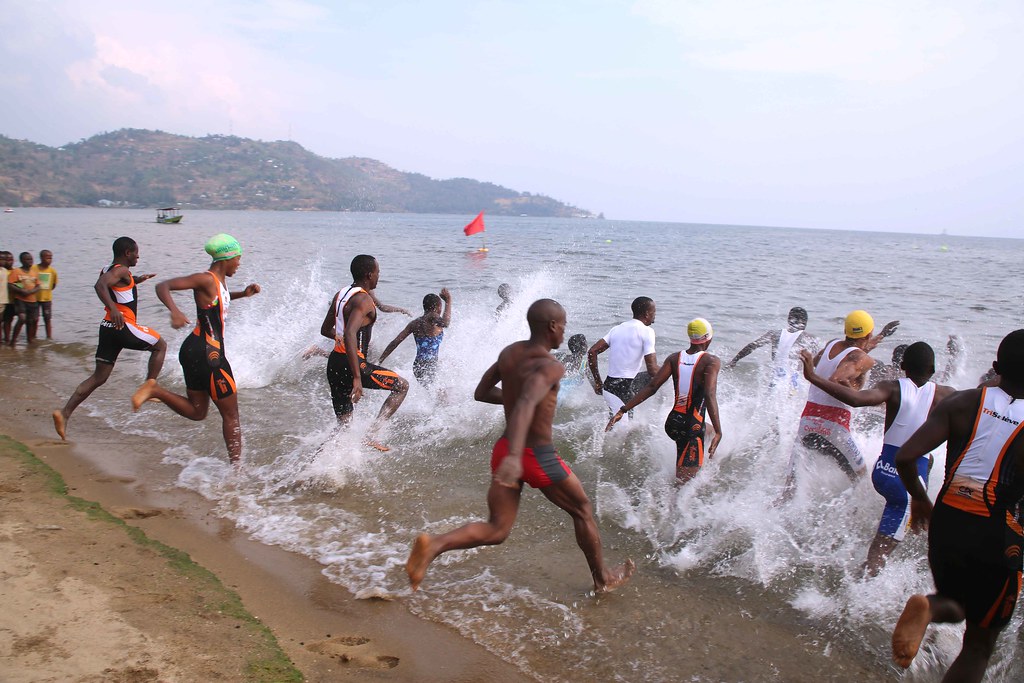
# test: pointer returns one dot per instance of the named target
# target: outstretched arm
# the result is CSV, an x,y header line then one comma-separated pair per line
x,y
648,390
249,290
446,317
749,348
874,396
385,308
396,341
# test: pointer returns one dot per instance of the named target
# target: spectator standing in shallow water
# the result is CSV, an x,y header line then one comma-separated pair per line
x,y
694,374
6,307
428,333
203,355
974,527
47,283
631,350
529,377
23,286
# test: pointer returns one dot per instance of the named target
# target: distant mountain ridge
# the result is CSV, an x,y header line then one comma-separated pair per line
x,y
133,167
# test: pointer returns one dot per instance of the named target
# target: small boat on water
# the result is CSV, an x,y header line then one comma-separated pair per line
x,y
8,210
169,215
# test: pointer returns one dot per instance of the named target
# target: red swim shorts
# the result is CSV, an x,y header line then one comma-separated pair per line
x,y
541,466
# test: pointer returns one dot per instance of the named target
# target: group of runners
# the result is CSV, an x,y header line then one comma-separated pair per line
x,y
975,535
26,294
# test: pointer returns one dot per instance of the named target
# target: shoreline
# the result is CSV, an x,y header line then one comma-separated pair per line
x,y
326,632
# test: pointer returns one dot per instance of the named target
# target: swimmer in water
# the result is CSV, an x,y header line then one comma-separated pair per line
x,y
529,377
428,333
203,356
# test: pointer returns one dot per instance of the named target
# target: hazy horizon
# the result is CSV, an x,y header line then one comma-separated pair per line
x,y
850,115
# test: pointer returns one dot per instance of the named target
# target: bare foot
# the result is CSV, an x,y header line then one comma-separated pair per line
x,y
910,629
617,577
143,394
59,423
378,445
419,560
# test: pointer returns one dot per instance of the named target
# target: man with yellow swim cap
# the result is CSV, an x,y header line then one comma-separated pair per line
x,y
825,422
694,374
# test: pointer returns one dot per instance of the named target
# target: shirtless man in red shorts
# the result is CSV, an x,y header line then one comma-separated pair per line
x,y
529,377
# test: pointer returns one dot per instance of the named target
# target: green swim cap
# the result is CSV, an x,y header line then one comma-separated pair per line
x,y
223,247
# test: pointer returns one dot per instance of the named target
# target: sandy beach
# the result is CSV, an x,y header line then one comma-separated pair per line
x,y
90,598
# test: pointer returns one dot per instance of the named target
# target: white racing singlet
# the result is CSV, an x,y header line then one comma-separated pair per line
x,y
915,403
339,317
826,367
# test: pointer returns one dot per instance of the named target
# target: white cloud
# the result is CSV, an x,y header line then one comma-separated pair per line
x,y
861,40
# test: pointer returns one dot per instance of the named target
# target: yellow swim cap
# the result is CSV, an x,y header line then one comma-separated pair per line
x,y
859,325
699,331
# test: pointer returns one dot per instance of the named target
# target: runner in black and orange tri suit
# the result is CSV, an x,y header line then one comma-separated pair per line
x,y
202,356
349,322
695,375
975,536
116,288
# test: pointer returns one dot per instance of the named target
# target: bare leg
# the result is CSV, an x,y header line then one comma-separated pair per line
x,y
920,611
881,547
685,474
17,330
31,327
502,506
568,494
231,426
194,406
391,404
156,359
89,385
49,327
969,666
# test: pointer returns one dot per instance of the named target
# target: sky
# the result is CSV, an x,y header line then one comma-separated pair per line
x,y
902,116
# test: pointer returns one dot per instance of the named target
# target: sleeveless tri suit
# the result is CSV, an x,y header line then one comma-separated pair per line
x,y
132,335
339,375
975,538
685,423
202,355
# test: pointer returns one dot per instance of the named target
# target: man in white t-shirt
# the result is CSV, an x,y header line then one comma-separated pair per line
x,y
631,346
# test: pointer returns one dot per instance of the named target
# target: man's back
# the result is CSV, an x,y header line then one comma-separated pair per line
x,y
518,364
628,343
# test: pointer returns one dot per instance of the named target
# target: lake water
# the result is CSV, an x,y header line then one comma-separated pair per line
x,y
718,540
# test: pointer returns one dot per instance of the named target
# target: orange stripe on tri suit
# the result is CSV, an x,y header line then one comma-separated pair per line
x,y
970,441
384,373
994,610
997,468
230,379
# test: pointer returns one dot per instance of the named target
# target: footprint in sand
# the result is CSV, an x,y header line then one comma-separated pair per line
x,y
116,480
135,513
353,651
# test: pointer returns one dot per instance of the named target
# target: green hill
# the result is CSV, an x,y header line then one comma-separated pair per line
x,y
143,168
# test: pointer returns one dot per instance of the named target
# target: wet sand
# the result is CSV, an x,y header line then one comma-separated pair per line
x,y
66,575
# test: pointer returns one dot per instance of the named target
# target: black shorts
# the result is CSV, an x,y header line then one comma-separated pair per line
x,y
8,312
29,310
339,377
975,561
131,336
46,309
688,433
202,374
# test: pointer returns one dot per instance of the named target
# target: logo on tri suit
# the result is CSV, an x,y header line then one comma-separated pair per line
x,y
965,491
213,356
222,386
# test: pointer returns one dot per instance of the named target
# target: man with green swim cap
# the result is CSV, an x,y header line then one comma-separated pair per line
x,y
223,247
203,355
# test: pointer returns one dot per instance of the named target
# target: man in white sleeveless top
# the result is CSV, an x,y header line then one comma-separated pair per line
x,y
975,536
825,422
908,401
631,346
784,344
